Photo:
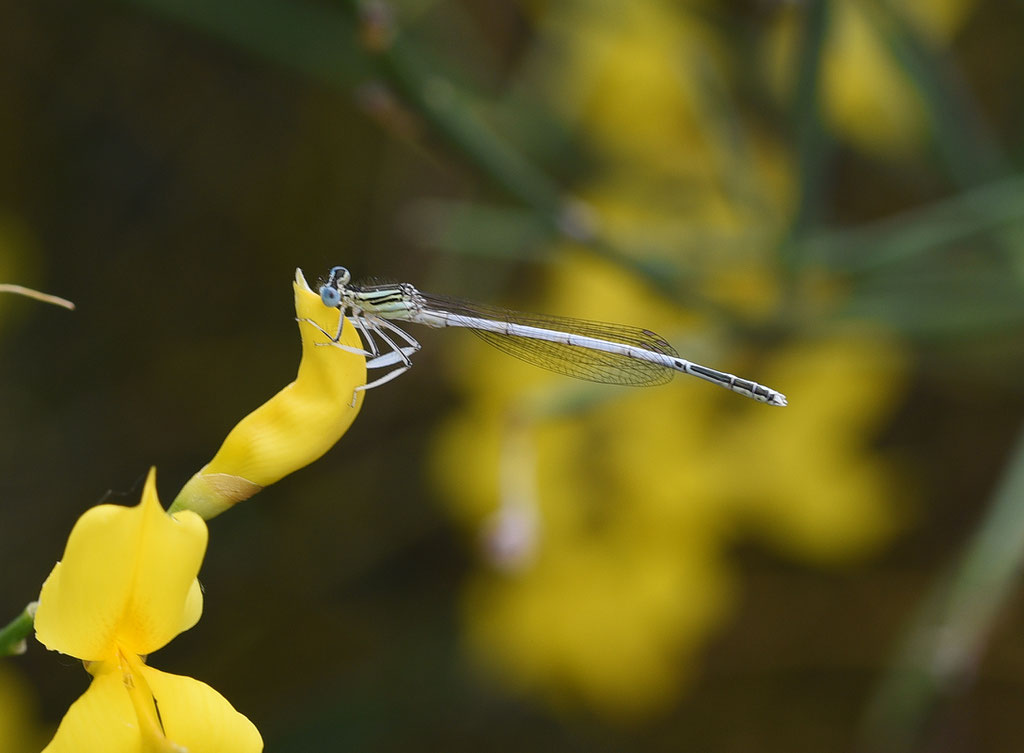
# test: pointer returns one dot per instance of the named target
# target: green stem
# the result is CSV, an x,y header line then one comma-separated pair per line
x,y
319,41
877,246
945,639
450,116
812,142
14,634
447,111
962,138
307,38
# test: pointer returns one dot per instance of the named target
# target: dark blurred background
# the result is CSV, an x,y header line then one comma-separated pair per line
x,y
761,178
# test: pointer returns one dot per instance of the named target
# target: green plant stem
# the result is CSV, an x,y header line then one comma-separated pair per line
x,y
14,634
945,638
450,115
877,246
962,139
805,117
320,42
307,38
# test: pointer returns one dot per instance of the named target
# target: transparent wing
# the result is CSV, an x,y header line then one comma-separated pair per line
x,y
570,360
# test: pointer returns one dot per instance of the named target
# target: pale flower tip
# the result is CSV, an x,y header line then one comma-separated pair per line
x,y
210,494
300,280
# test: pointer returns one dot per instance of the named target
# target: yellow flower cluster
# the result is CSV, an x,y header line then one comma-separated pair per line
x,y
607,515
124,588
638,495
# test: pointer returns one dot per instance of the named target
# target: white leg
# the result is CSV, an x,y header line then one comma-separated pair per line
x,y
388,359
335,343
324,332
347,348
341,326
393,374
395,355
367,338
367,328
395,348
413,343
340,346
399,356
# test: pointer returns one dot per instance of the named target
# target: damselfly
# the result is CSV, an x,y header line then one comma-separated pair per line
x,y
595,351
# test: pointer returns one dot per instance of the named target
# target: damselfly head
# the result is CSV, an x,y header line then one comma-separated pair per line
x,y
338,277
330,291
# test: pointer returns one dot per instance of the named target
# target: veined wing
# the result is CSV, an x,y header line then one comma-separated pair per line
x,y
562,358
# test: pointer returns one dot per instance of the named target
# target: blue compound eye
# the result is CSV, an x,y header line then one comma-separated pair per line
x,y
330,296
338,277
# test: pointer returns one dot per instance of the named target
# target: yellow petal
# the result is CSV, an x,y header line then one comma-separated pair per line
x,y
199,718
195,718
296,426
101,721
128,578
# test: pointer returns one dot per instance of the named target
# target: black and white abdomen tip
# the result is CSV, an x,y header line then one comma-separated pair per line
x,y
732,382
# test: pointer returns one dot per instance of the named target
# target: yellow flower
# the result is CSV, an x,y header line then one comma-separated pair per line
x,y
640,494
296,426
608,514
125,587
604,619
867,95
627,77
20,730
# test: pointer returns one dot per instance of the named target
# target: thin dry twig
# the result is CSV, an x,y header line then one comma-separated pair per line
x,y
6,287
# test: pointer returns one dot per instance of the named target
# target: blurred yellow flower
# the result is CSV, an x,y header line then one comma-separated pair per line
x,y
647,87
607,515
626,78
125,587
640,495
296,426
16,246
867,96
677,176
20,730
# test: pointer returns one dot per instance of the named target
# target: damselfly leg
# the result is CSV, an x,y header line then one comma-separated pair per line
x,y
395,353
389,353
397,356
392,353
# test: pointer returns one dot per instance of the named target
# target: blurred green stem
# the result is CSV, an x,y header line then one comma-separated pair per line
x,y
961,136
13,635
812,142
945,639
321,42
875,247
308,38
439,103
448,112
